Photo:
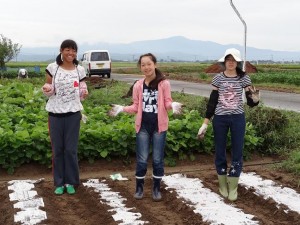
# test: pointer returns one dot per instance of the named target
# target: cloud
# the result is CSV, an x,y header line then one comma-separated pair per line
x,y
272,24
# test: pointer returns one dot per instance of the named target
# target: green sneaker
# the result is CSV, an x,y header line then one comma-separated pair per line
x,y
59,190
70,189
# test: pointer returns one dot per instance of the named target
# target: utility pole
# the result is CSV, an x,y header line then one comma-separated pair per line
x,y
245,32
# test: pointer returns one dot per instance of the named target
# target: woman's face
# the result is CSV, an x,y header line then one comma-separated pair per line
x,y
147,66
230,63
68,54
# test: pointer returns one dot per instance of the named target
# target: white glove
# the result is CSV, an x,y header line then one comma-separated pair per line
x,y
115,110
255,94
177,107
202,131
84,118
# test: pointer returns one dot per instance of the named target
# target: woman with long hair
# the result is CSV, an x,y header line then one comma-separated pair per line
x,y
226,107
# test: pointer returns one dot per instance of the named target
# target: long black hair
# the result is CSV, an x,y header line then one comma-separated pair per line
x,y
67,44
159,75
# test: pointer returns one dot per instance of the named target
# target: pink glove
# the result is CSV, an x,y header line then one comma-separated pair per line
x,y
48,89
83,91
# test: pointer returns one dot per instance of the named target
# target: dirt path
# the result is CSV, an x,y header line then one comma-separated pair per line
x,y
86,206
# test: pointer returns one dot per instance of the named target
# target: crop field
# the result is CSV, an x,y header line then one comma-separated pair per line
x,y
267,195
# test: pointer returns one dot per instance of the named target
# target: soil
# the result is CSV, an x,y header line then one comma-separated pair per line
x,y
217,68
85,207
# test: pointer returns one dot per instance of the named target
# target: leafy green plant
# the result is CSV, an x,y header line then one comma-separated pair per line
x,y
292,163
269,124
24,131
282,77
13,74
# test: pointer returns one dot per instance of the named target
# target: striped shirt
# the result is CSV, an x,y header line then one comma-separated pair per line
x,y
230,93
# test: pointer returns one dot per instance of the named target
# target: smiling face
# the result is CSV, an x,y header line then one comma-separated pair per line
x,y
147,66
68,54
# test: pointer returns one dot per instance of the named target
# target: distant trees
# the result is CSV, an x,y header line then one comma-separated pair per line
x,y
8,50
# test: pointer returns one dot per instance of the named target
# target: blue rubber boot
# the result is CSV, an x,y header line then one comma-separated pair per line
x,y
139,191
156,194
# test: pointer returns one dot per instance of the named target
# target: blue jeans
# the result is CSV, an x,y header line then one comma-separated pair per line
x,y
144,138
221,125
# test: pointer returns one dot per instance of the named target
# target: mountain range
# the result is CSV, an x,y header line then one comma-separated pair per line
x,y
176,48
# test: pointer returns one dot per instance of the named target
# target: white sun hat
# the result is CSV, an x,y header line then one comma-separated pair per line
x,y
235,54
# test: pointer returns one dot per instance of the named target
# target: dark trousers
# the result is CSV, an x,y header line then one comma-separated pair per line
x,y
64,135
221,125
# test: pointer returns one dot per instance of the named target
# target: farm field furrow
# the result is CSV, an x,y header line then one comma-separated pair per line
x,y
190,196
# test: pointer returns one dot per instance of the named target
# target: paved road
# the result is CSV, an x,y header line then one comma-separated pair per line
x,y
279,100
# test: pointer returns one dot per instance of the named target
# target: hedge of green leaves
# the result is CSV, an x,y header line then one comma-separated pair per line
x,y
282,77
11,74
24,129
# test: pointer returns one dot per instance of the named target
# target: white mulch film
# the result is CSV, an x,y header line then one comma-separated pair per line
x,y
27,201
208,204
114,200
269,189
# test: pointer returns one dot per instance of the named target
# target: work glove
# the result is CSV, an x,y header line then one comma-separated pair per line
x,y
202,131
48,89
84,118
83,91
254,94
177,107
115,110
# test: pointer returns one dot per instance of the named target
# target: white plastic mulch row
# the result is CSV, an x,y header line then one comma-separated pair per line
x,y
212,207
114,200
27,201
269,189
208,204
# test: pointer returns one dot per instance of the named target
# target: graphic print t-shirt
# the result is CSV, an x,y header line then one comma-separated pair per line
x,y
230,93
66,84
149,105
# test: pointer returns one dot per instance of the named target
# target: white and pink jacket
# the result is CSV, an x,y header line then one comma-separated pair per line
x,y
164,103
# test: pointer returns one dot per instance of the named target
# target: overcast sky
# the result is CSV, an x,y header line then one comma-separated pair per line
x,y
272,24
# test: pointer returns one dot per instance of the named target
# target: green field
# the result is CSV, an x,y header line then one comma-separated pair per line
x,y
24,135
278,77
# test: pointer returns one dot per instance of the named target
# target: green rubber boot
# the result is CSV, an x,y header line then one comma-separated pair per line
x,y
223,185
233,186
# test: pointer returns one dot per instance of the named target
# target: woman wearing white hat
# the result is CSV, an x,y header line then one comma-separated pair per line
x,y
227,109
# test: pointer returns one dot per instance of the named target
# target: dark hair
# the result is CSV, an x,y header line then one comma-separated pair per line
x,y
159,75
240,72
239,68
67,44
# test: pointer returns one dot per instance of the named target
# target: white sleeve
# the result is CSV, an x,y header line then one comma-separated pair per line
x,y
81,71
52,67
